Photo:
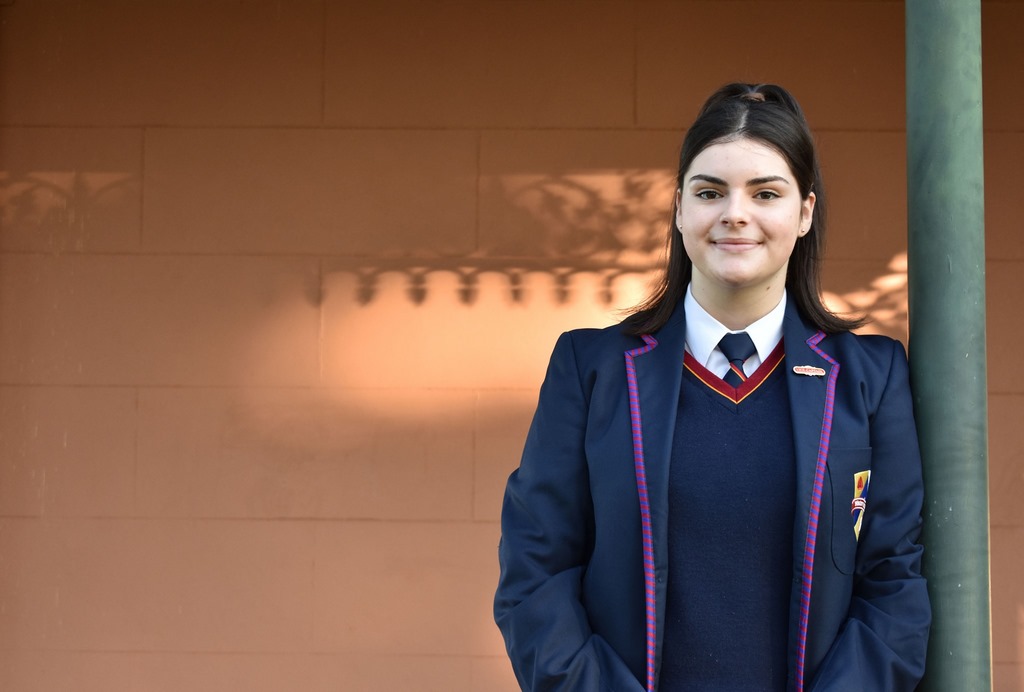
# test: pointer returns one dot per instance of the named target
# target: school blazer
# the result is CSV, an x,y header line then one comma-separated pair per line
x,y
583,552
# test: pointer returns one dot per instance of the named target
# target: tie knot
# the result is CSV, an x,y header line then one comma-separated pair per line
x,y
737,347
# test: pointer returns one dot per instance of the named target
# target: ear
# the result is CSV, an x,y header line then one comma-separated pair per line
x,y
679,208
807,214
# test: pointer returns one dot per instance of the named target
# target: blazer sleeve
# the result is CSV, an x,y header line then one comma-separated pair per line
x,y
546,539
883,643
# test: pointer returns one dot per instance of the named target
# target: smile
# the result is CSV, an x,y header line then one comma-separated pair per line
x,y
735,244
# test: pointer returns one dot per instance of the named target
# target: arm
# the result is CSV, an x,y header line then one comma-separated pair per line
x,y
883,644
547,532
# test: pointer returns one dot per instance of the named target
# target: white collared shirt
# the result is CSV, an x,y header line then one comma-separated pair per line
x,y
703,332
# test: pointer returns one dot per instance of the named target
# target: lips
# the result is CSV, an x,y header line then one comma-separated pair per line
x,y
735,244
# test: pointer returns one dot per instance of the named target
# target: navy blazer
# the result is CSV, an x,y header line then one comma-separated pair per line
x,y
583,553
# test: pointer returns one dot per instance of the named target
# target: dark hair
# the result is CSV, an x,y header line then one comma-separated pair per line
x,y
768,114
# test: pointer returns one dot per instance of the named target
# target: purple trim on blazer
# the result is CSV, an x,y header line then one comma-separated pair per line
x,y
807,569
645,504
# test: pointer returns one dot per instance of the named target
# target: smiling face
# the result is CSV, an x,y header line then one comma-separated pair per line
x,y
740,213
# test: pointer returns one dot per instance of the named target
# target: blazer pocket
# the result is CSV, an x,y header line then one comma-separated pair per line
x,y
847,469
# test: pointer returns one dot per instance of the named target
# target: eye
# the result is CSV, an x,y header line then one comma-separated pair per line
x,y
709,194
765,195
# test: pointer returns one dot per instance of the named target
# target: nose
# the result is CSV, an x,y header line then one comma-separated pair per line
x,y
735,212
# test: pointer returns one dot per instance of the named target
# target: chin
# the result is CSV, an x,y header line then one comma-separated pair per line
x,y
736,281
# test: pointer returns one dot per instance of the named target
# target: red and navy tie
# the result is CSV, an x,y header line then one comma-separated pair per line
x,y
737,348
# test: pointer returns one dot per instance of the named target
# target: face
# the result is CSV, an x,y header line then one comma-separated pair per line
x,y
740,213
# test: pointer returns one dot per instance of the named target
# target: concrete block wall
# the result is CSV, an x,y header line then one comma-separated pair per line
x,y
278,283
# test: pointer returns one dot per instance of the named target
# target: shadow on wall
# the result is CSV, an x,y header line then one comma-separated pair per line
x,y
883,299
606,224
556,252
58,211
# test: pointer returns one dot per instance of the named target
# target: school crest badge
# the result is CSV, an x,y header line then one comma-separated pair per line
x,y
861,481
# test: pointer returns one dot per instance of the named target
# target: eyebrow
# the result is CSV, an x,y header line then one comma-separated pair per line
x,y
750,183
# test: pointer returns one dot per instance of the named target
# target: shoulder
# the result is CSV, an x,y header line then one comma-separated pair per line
x,y
871,355
593,350
869,345
595,343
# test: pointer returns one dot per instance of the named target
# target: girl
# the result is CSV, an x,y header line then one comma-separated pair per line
x,y
724,491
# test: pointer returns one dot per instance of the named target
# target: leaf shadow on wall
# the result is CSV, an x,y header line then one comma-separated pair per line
x,y
69,211
881,294
610,224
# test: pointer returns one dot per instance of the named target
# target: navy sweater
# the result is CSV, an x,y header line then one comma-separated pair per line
x,y
731,511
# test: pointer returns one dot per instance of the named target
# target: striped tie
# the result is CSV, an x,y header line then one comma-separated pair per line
x,y
737,348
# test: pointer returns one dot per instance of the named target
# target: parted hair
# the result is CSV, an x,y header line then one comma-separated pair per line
x,y
767,114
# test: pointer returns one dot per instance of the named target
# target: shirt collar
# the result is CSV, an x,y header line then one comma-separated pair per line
x,y
703,332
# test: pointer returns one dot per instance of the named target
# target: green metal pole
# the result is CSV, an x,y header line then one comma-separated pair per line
x,y
947,331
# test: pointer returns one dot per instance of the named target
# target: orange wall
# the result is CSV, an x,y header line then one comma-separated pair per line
x,y
278,282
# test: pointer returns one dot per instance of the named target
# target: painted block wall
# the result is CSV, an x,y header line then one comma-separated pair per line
x,y
278,283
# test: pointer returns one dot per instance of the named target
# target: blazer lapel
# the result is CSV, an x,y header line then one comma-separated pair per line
x,y
659,374
807,395
654,374
811,377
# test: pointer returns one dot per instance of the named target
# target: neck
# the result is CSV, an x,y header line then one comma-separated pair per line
x,y
738,309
